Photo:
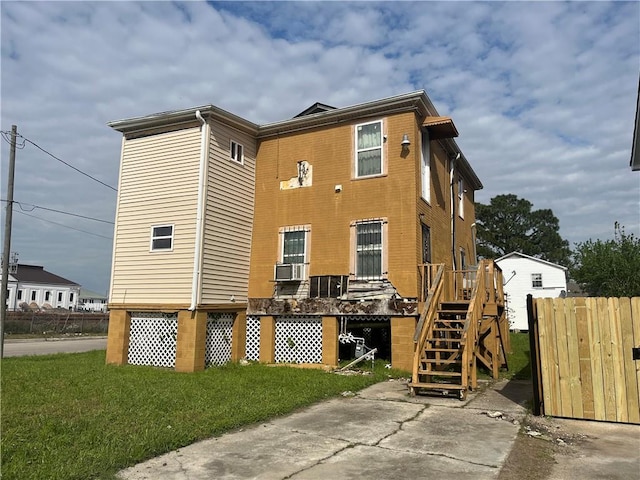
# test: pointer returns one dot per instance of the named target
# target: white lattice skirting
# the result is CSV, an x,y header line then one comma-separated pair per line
x,y
252,348
219,334
298,339
152,339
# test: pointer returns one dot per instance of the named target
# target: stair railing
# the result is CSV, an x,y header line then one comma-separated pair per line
x,y
426,321
470,333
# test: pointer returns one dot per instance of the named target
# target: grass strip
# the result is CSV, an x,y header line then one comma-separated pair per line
x,y
70,416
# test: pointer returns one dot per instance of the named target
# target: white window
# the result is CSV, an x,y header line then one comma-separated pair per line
x,y
71,297
161,237
19,294
59,296
237,152
536,280
47,296
368,143
425,167
461,197
33,295
369,261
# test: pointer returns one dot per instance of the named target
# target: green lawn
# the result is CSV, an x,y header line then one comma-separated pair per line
x,y
70,416
519,359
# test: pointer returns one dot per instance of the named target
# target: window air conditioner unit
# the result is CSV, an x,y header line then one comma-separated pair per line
x,y
289,272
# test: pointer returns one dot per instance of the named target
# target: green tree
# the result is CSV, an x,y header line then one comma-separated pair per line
x,y
609,268
508,224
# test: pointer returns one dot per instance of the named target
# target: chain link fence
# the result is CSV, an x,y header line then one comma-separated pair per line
x,y
56,323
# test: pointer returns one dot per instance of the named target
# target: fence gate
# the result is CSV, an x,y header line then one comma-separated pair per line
x,y
585,357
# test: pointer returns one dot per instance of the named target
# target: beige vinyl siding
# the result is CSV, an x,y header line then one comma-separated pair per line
x,y
229,217
158,186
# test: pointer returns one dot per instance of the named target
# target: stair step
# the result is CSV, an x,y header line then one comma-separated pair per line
x,y
427,349
436,373
440,386
437,362
455,305
444,339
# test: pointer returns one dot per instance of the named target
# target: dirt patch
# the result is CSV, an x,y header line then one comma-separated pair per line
x,y
537,445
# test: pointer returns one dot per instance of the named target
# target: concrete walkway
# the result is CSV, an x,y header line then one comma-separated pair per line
x,y
379,433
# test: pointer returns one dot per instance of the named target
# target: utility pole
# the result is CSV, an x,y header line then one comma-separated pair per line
x,y
7,237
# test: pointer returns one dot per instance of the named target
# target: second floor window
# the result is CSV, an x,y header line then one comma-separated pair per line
x,y
369,149
237,152
47,296
59,296
161,237
33,296
293,246
19,294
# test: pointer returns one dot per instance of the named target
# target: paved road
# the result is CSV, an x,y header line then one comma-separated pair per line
x,y
17,348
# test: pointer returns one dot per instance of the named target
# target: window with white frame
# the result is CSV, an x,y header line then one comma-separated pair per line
x,y
47,296
33,295
461,197
19,294
71,297
161,238
369,250
237,152
59,296
425,167
536,280
368,143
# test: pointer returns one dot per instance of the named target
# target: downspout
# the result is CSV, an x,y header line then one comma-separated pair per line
x,y
197,254
453,209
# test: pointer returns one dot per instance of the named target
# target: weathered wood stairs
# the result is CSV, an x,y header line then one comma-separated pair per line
x,y
462,323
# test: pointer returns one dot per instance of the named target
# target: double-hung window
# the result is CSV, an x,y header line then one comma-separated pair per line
x,y
293,246
368,143
294,251
461,197
536,280
425,167
369,250
237,152
161,238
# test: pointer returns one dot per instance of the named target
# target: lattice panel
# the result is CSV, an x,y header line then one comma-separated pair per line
x,y
298,340
152,339
252,351
366,318
219,333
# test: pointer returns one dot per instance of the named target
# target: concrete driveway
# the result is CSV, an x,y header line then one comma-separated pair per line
x,y
17,348
380,433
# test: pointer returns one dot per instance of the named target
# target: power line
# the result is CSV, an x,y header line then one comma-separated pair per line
x,y
35,207
24,139
65,226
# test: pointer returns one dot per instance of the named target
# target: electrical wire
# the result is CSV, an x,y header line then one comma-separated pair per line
x,y
65,226
24,139
36,207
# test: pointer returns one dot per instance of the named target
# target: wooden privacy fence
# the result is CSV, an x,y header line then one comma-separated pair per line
x,y
585,357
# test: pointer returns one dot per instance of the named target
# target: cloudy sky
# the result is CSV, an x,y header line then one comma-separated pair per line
x,y
543,95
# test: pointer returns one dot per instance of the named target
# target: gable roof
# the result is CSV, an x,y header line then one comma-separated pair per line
x,y
37,274
315,108
318,115
522,255
86,294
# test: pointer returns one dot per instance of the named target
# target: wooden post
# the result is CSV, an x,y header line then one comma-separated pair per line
x,y
534,352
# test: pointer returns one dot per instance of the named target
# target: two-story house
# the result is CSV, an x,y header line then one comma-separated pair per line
x,y
284,242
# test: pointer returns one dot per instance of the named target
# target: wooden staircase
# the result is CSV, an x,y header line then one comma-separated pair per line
x,y
460,324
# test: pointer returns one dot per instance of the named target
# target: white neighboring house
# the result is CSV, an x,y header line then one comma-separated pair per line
x,y
524,275
32,284
92,301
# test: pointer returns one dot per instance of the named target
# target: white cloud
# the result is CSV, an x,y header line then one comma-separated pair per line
x,y
543,95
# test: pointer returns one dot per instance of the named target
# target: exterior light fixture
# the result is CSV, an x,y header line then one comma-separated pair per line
x,y
405,141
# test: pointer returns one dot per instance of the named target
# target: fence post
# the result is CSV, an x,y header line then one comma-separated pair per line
x,y
534,358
